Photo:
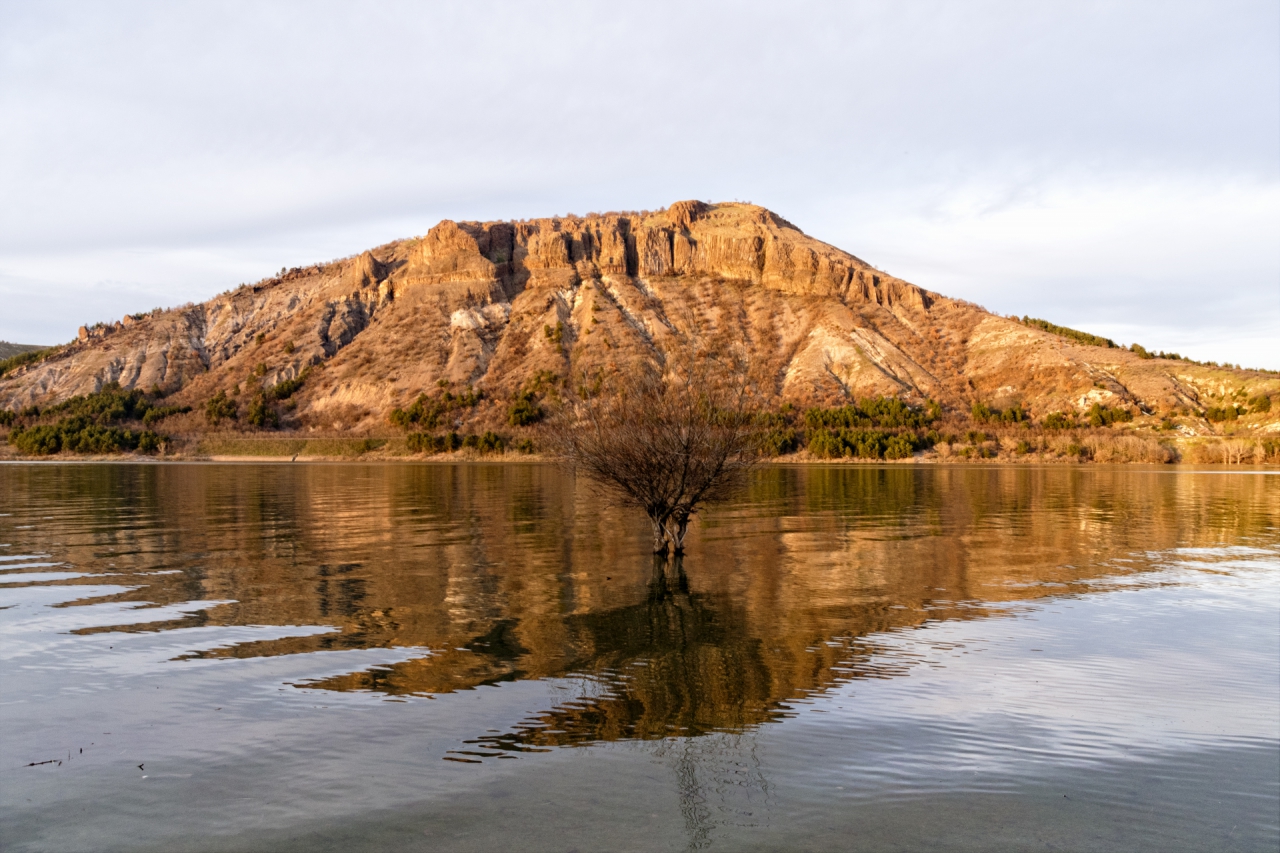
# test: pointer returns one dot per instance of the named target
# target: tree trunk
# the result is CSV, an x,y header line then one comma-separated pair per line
x,y
676,536
659,537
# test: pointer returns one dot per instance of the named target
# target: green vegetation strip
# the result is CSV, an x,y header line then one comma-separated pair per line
x,y
271,447
1073,334
101,422
429,413
13,362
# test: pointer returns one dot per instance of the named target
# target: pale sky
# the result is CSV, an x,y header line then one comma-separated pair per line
x,y
1109,166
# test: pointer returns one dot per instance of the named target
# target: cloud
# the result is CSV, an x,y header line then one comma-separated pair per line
x,y
989,149
1107,255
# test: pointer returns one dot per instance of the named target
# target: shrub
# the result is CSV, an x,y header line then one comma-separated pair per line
x,y
79,434
525,409
425,442
489,442
1059,420
220,408
422,442
109,404
545,383
159,413
863,444
13,362
37,441
428,412
1218,414
1072,334
262,414
825,445
1128,448
1260,403
7,417
86,424
779,441
286,388
1100,415
1012,415
898,447
884,412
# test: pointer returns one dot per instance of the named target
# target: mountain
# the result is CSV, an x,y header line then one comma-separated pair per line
x,y
493,305
8,350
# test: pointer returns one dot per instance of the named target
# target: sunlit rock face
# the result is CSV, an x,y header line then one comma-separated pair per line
x,y
491,304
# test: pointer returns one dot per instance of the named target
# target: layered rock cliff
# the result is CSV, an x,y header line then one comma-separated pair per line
x,y
492,304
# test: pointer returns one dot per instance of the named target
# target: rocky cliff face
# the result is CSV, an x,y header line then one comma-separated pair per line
x,y
493,304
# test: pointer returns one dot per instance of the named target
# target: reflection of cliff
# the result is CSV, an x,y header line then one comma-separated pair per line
x,y
514,572
676,662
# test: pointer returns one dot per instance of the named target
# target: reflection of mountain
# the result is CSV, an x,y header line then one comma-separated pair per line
x,y
512,572
675,663
678,663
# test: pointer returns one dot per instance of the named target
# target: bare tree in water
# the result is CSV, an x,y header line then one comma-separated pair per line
x,y
667,438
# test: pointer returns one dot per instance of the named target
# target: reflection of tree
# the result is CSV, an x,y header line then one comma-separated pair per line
x,y
678,669
719,780
676,664
693,801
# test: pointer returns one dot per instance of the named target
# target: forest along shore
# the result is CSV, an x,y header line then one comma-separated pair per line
x,y
113,424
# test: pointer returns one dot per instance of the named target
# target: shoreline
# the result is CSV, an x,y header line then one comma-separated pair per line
x,y
1125,448
459,458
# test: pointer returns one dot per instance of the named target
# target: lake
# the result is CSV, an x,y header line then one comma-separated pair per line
x,y
486,657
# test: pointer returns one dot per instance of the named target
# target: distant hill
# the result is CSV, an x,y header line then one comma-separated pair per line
x,y
501,306
8,350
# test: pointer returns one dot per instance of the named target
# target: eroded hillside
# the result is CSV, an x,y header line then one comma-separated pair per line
x,y
492,305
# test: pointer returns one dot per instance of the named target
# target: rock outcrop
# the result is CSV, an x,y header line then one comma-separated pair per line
x,y
492,304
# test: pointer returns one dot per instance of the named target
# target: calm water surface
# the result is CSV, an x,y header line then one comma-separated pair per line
x,y
482,657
